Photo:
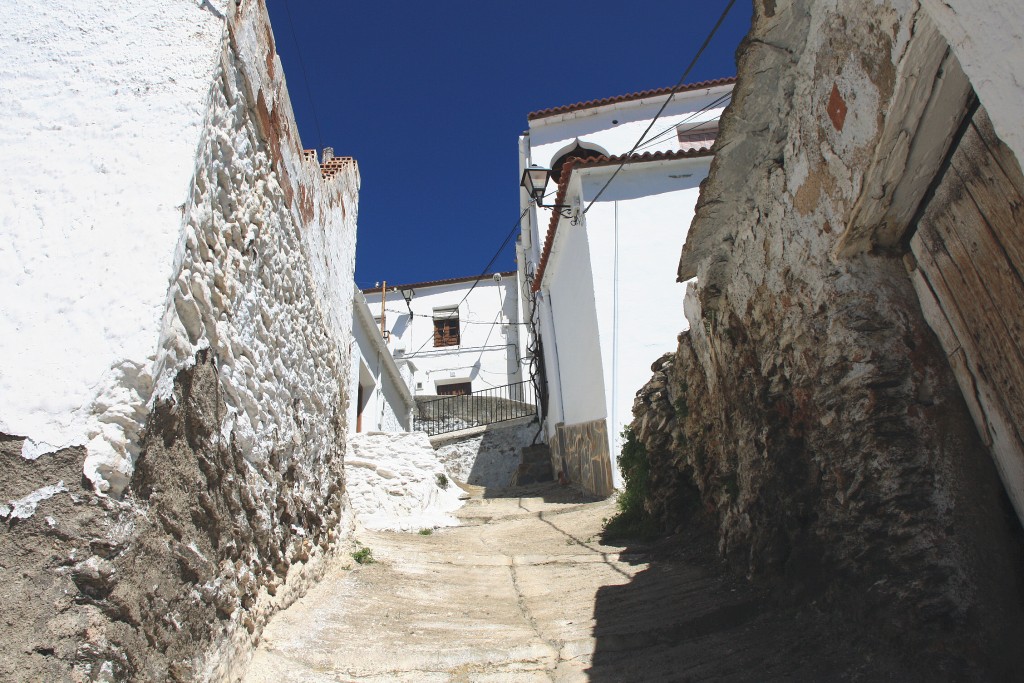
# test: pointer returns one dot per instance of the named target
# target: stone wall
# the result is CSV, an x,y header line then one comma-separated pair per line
x,y
165,566
809,403
580,452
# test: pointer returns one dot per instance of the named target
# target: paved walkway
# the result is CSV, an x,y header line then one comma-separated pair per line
x,y
524,591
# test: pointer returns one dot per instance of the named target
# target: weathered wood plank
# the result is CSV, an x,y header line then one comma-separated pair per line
x,y
1002,155
996,273
929,103
996,427
980,330
994,195
936,317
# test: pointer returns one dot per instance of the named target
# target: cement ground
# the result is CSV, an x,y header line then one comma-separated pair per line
x,y
526,591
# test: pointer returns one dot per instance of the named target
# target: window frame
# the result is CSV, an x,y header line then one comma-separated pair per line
x,y
447,330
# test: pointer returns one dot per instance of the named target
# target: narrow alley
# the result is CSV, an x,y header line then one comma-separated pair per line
x,y
526,591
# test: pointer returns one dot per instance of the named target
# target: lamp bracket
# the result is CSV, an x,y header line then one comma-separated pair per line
x,y
564,210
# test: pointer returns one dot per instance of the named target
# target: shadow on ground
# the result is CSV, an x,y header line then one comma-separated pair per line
x,y
547,492
686,617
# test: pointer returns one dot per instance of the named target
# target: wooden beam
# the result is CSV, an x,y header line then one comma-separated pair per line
x,y
931,98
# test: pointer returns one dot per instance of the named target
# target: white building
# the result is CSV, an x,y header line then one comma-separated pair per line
x,y
380,389
602,269
462,334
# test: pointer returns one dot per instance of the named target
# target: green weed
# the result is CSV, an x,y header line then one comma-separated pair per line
x,y
632,519
363,555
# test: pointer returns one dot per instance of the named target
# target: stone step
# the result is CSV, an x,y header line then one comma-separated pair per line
x,y
534,465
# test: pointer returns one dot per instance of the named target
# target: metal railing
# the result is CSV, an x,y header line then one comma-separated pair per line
x,y
484,407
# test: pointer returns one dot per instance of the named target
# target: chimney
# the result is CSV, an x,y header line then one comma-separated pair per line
x,y
328,154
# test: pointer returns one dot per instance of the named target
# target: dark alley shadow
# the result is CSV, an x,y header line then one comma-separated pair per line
x,y
686,617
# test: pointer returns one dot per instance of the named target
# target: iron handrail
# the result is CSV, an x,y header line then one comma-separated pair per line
x,y
476,409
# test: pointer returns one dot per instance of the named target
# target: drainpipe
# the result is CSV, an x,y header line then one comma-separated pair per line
x,y
613,437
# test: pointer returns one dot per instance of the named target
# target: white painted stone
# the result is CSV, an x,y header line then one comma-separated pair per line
x,y
127,172
392,481
101,109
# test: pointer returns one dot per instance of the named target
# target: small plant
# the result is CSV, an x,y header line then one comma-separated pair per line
x,y
426,532
363,555
632,520
442,480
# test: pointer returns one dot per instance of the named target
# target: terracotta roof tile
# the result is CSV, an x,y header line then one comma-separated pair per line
x,y
448,281
591,104
563,185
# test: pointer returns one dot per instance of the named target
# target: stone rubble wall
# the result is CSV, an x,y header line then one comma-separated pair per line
x,y
809,408
396,481
487,456
237,496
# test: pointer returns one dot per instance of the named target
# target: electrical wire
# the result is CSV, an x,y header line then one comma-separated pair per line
x,y
482,274
302,65
675,126
668,99
461,320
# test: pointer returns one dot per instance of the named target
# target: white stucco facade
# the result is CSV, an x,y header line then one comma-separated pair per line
x,y
607,301
487,354
380,396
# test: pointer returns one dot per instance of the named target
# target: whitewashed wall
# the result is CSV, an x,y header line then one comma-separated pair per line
x,y
387,398
576,337
101,111
170,258
488,320
610,300
636,231
551,136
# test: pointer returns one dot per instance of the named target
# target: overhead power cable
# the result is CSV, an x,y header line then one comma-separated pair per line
x,y
682,80
305,78
675,127
483,273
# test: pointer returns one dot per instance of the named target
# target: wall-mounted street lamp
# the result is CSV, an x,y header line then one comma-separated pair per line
x,y
408,293
535,180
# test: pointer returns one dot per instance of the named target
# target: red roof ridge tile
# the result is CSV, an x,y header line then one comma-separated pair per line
x,y
563,185
592,104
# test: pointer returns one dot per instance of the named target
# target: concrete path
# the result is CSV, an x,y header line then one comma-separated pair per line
x,y
524,591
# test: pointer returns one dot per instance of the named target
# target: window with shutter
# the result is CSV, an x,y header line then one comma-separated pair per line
x,y
446,327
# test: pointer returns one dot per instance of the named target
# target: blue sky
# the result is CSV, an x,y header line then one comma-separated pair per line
x,y
429,97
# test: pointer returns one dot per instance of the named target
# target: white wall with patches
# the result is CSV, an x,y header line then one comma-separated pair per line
x,y
153,213
100,134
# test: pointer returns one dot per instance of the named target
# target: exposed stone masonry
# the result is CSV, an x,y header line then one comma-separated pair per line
x,y
809,409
